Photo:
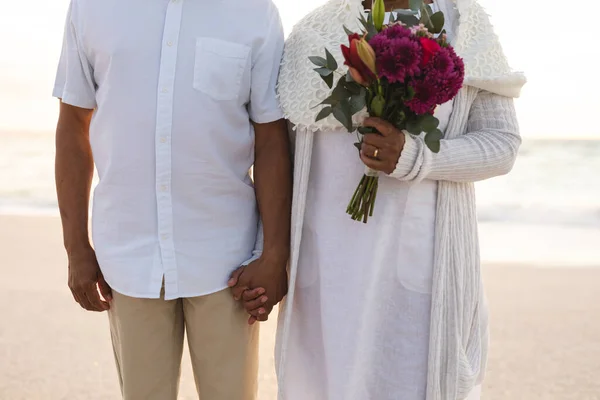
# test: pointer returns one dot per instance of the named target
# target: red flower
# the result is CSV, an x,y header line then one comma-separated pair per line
x,y
353,60
430,48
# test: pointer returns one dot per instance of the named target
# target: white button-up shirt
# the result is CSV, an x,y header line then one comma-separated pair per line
x,y
174,85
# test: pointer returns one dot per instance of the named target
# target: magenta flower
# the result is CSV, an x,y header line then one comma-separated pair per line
x,y
425,99
398,58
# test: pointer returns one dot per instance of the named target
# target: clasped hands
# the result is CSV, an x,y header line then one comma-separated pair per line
x,y
262,284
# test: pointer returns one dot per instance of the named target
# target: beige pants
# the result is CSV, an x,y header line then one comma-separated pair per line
x,y
147,336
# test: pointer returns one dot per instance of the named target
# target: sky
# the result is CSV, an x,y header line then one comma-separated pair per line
x,y
559,100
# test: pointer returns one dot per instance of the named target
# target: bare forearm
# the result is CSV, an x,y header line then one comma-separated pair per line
x,y
273,182
74,171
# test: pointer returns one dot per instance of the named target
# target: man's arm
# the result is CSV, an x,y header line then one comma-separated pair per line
x,y
74,171
273,185
263,283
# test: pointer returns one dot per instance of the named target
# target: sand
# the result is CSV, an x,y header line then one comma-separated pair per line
x,y
545,329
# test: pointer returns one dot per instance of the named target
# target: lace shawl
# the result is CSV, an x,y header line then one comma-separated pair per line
x,y
301,89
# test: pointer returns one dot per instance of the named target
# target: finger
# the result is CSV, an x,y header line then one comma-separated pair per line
x,y
104,288
253,294
376,165
383,127
371,151
375,140
82,299
252,320
235,276
256,305
239,290
93,297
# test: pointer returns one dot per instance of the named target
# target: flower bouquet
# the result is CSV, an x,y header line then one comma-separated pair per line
x,y
400,71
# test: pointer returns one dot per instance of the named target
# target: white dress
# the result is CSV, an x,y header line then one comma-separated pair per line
x,y
346,270
356,322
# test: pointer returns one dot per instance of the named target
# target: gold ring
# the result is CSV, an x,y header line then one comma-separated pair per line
x,y
376,153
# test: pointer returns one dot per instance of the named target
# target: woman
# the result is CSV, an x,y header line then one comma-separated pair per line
x,y
394,309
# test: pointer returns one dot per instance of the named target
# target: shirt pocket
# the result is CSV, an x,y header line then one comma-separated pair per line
x,y
219,68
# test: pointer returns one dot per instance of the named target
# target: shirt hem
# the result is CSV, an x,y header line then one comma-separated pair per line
x,y
146,295
72,99
267,117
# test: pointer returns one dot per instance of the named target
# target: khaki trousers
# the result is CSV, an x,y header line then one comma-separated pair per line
x,y
148,335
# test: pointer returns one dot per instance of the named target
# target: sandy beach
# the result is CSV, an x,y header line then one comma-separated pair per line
x,y
545,329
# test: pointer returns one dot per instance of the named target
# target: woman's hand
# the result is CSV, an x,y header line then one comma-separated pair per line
x,y
382,152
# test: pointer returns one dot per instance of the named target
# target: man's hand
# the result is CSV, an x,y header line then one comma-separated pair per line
x,y
260,285
86,282
382,152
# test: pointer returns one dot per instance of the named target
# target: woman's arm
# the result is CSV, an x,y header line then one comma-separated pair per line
x,y
488,149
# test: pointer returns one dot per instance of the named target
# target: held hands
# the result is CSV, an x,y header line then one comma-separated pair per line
x,y
382,152
86,282
260,286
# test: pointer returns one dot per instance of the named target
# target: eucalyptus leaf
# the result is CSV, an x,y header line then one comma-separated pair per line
x,y
415,5
331,63
357,103
323,71
353,87
408,19
330,101
328,80
365,130
341,112
432,140
428,123
413,127
318,61
324,113
437,21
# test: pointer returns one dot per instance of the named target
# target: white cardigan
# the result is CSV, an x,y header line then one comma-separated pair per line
x,y
481,142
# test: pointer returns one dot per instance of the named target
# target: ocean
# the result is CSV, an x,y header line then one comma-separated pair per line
x,y
546,212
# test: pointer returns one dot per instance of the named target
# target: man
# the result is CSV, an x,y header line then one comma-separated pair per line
x,y
173,101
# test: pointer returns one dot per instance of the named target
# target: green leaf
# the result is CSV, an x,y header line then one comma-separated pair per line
x,y
428,123
323,71
357,102
369,28
331,63
408,19
318,61
348,31
432,140
413,127
349,78
331,101
437,22
324,113
377,106
341,112
328,80
415,5
353,87
365,130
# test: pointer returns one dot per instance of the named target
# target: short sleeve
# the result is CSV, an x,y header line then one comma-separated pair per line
x,y
74,82
264,104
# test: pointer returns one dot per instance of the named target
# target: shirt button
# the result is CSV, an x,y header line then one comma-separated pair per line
x,y
163,139
165,90
169,43
163,188
164,236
